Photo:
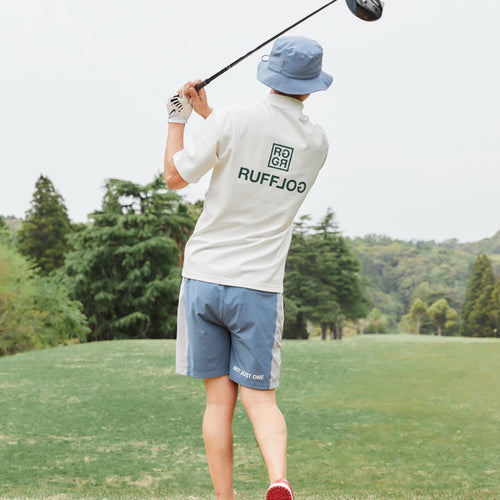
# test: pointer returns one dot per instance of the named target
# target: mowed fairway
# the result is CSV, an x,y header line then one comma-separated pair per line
x,y
371,417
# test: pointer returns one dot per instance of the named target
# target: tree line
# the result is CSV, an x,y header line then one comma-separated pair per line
x,y
118,275
425,287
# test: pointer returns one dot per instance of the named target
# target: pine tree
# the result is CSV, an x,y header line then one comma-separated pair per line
x,y
124,267
477,318
495,297
44,232
322,280
299,284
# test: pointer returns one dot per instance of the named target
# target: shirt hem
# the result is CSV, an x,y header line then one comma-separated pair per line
x,y
233,282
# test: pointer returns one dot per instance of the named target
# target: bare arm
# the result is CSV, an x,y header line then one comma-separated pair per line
x,y
175,143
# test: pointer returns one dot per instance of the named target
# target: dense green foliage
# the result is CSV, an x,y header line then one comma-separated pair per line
x,y
396,273
495,304
444,317
35,311
418,313
13,224
322,283
438,318
375,322
124,267
44,232
480,308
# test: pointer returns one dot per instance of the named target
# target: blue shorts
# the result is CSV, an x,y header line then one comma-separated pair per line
x,y
227,330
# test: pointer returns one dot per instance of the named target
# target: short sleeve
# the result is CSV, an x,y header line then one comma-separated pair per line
x,y
200,153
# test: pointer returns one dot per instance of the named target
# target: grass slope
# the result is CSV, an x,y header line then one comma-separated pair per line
x,y
372,417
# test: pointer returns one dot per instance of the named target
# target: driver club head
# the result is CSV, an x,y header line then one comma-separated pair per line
x,y
368,10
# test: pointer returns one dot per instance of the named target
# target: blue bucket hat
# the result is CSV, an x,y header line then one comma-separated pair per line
x,y
294,66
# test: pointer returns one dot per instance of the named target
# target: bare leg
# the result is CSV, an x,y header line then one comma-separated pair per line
x,y
269,427
222,394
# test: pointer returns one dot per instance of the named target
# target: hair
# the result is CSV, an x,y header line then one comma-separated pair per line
x,y
295,96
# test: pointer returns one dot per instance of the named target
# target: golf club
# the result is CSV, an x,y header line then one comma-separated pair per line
x,y
367,10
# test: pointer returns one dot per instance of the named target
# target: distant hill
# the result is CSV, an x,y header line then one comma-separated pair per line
x,y
486,245
397,271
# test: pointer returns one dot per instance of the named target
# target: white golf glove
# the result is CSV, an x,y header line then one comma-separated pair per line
x,y
179,109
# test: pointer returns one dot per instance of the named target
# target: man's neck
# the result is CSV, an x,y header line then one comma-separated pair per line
x,y
301,97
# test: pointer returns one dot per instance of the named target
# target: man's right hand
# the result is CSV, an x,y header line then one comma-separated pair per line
x,y
198,98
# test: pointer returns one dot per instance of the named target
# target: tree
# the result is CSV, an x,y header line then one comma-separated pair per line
x,y
397,272
495,298
437,312
35,311
452,322
377,322
299,284
321,279
44,232
125,267
339,294
477,317
444,317
418,311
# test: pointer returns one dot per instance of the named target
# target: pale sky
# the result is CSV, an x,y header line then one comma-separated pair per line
x,y
413,116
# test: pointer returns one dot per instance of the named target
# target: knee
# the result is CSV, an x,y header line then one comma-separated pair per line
x,y
221,392
254,398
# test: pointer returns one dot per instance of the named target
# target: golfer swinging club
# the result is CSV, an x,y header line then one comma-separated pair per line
x,y
264,160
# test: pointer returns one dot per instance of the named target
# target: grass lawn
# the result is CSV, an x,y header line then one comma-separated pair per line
x,y
371,417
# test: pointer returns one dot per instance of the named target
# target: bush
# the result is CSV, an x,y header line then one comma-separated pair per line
x,y
35,312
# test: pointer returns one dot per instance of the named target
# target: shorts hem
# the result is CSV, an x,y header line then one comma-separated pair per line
x,y
204,374
251,384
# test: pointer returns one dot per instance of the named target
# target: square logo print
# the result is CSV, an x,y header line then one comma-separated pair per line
x,y
281,157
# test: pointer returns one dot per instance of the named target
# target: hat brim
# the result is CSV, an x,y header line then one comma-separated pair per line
x,y
293,86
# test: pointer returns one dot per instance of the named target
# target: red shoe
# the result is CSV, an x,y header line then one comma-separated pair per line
x,y
280,490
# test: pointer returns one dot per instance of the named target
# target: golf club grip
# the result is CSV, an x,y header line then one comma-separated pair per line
x,y
200,85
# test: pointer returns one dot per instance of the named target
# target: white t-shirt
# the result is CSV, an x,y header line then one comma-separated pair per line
x,y
265,159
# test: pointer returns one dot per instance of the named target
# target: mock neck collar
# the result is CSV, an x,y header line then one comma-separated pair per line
x,y
283,101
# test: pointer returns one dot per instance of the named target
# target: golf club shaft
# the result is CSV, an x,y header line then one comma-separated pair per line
x,y
234,63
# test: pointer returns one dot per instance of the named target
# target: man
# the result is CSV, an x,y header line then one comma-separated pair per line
x,y
264,160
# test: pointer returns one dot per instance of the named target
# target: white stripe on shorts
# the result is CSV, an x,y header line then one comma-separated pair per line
x,y
182,342
278,333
